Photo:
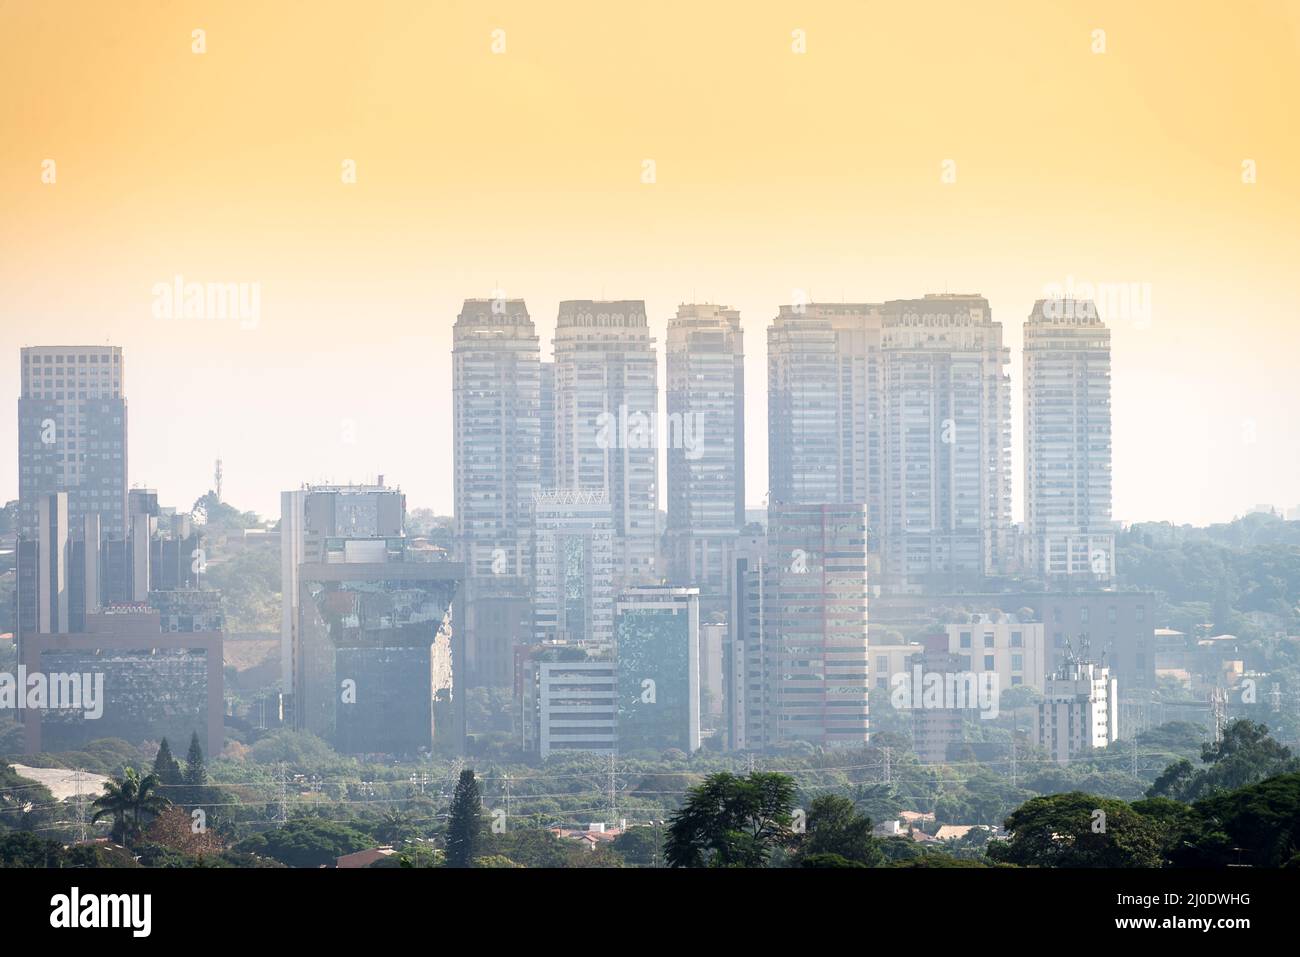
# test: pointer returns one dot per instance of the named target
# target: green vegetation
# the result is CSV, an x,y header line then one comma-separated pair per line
x,y
1244,755
730,821
465,827
127,802
306,805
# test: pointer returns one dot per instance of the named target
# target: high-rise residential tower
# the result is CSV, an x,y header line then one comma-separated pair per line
x,y
606,405
946,442
72,435
496,381
546,393
1067,443
824,407
705,439
497,448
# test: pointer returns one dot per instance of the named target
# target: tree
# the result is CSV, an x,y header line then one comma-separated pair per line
x,y
175,828
877,801
196,771
127,800
731,821
396,828
1172,819
465,827
308,842
24,804
827,860
165,766
529,847
640,845
1244,755
116,802
22,849
1078,830
1174,782
1257,825
147,802
836,829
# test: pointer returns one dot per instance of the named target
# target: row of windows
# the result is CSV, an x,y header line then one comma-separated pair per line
x,y
70,359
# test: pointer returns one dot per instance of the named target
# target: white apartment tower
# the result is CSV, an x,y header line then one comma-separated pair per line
x,y
705,439
946,441
606,412
1079,710
1068,443
496,445
823,368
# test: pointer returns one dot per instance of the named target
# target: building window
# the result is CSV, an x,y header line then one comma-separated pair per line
x,y
965,639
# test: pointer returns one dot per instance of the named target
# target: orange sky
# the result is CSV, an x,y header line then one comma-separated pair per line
x,y
521,170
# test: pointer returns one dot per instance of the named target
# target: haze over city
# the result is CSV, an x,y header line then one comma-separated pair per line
x,y
774,175
609,438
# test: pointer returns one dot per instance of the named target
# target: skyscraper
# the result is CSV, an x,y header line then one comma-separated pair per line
x,y
946,441
497,449
496,381
574,566
809,640
546,392
310,518
72,435
606,405
824,399
1067,442
705,439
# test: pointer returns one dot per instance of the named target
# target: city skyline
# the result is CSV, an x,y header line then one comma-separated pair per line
x,y
247,492
1158,161
592,437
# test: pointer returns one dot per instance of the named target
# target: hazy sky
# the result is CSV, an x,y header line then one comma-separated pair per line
x,y
775,171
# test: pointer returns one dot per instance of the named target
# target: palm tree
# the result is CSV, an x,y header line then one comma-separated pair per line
x,y
117,801
395,827
148,800
126,800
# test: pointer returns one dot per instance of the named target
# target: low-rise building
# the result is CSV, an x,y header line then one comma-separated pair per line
x,y
1003,644
1079,710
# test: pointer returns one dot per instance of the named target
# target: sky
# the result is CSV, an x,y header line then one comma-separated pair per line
x,y
834,150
